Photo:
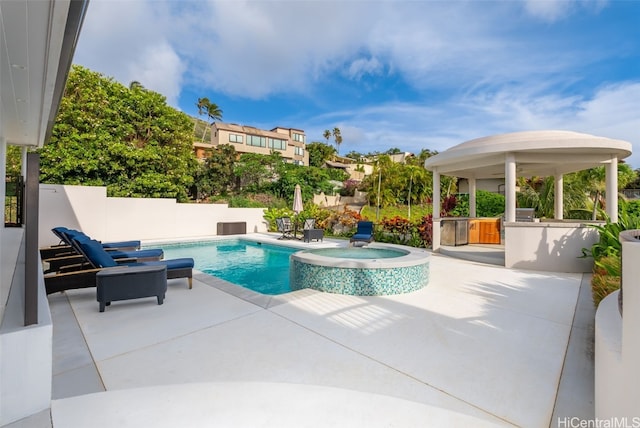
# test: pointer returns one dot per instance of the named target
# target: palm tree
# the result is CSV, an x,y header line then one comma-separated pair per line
x,y
135,85
326,134
338,139
214,113
202,108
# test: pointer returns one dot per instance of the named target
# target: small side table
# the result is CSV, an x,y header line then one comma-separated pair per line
x,y
311,234
131,282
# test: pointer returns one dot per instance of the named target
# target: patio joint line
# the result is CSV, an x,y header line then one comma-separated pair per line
x,y
86,344
396,370
180,336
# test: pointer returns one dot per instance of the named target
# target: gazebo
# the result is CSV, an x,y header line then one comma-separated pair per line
x,y
551,245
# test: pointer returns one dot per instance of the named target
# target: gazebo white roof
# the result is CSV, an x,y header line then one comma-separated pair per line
x,y
537,153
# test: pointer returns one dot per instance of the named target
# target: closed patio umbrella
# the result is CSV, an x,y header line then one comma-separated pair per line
x,y
297,200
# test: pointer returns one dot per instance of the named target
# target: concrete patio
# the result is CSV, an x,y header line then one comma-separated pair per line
x,y
481,345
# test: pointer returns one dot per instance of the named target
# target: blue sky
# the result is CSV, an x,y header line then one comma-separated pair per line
x,y
407,74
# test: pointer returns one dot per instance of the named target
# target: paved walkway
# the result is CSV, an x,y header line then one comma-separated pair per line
x,y
481,345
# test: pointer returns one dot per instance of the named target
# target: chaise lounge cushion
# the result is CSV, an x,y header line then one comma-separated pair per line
x,y
171,264
176,268
76,234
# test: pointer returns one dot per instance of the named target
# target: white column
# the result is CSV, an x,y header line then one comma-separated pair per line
x,y
558,203
611,170
436,194
510,187
472,197
435,245
23,160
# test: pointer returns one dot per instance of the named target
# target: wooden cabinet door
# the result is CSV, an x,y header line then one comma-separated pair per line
x,y
474,231
489,231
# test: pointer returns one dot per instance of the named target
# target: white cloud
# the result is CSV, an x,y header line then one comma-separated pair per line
x,y
548,10
553,10
610,112
254,49
127,40
364,66
491,73
159,68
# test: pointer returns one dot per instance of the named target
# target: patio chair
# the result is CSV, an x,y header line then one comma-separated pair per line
x,y
75,260
364,233
100,259
65,247
285,227
309,231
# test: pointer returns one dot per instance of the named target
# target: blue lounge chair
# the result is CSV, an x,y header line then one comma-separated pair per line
x,y
100,259
65,247
67,235
364,232
73,259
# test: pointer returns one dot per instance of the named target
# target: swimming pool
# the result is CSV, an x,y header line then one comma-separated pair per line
x,y
259,267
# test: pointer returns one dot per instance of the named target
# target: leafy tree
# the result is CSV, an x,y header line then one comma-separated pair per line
x,y
635,183
311,180
319,153
422,156
14,161
593,181
354,155
216,174
128,140
252,169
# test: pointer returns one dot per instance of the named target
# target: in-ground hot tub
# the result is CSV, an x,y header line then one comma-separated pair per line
x,y
373,270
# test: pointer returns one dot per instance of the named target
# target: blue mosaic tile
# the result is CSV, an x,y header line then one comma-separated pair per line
x,y
359,281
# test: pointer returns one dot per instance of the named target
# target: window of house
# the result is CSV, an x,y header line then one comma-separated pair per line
x,y
235,138
276,143
298,151
298,137
256,140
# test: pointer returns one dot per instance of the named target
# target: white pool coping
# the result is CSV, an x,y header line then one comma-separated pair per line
x,y
411,257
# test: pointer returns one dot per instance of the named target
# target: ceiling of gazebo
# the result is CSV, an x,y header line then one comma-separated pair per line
x,y
537,153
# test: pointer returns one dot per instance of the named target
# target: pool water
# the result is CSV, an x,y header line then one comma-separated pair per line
x,y
359,253
259,267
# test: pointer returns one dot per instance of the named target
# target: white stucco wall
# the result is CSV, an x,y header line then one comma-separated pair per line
x,y
609,375
553,246
89,209
25,352
617,341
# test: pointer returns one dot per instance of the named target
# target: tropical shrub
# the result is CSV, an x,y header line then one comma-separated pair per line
x,y
395,230
607,253
425,230
341,223
606,278
349,187
609,242
271,214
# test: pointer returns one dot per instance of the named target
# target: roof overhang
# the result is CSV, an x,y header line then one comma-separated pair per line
x,y
537,153
36,51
